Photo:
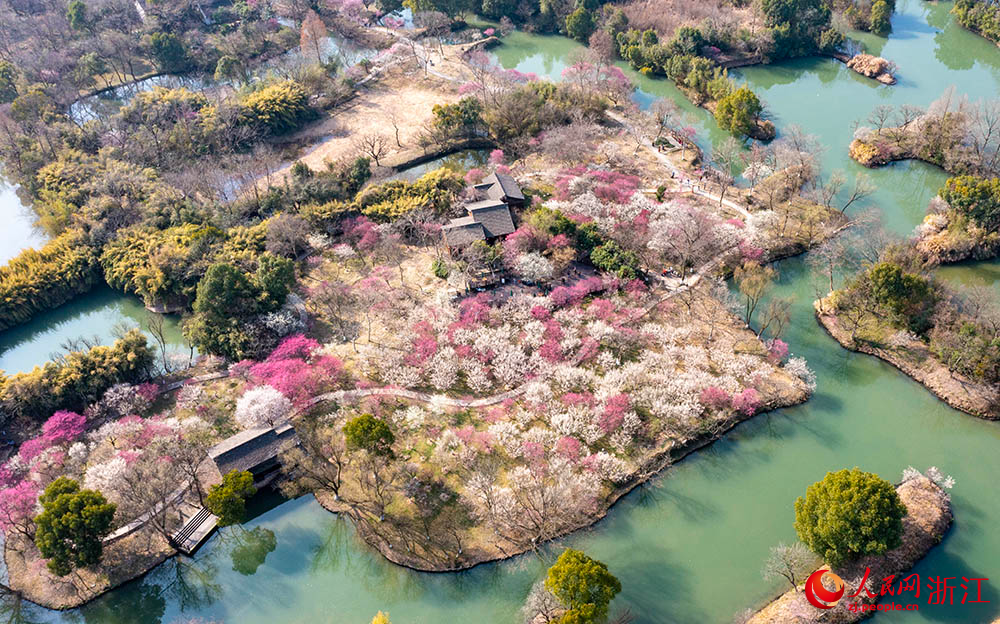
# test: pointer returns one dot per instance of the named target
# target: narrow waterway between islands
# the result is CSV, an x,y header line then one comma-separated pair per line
x,y
687,549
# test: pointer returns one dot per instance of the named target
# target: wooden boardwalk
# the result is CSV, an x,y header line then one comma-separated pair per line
x,y
194,531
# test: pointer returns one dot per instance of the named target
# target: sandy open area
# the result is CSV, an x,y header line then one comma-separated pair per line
x,y
407,98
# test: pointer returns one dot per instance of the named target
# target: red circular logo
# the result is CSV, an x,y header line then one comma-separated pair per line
x,y
819,596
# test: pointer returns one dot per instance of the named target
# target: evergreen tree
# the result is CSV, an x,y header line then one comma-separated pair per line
x,y
850,514
227,500
72,525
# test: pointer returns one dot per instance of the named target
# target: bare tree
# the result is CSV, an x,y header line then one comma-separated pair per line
x,y
313,35
790,562
799,152
156,326
374,145
880,116
286,235
775,317
319,463
394,120
863,187
662,115
727,156
754,281
827,192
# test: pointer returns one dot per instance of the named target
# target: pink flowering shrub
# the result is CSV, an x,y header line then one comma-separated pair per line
x,y
489,32
614,413
241,369
474,310
474,175
551,351
295,346
295,371
63,427
777,350
609,186
532,451
299,379
497,157
361,233
746,402
569,447
572,295
30,449
750,252
17,507
714,398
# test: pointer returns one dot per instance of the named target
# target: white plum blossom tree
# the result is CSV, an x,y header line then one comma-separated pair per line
x,y
534,267
263,406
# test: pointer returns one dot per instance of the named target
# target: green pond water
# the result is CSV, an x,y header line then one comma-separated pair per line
x,y
689,548
459,161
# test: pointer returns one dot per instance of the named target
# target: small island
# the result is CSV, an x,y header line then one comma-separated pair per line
x,y
952,133
927,518
897,311
962,221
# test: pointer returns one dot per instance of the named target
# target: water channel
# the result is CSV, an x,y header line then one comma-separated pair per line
x,y
96,316
688,549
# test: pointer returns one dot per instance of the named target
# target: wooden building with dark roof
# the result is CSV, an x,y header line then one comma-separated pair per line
x,y
489,218
501,187
253,450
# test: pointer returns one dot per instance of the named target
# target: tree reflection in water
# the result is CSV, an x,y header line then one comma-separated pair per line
x,y
250,547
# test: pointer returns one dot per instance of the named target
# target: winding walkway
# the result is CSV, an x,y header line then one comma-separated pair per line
x,y
647,143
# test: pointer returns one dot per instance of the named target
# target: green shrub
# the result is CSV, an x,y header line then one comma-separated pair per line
x,y
227,500
580,24
979,17
228,298
439,269
386,202
613,258
739,111
72,526
583,585
848,515
39,280
974,197
880,22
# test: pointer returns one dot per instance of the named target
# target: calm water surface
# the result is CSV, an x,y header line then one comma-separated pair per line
x,y
94,315
689,549
19,231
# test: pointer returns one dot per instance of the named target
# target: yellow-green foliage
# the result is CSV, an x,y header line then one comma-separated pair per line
x,y
389,201
81,378
278,108
62,187
867,155
243,245
164,266
37,280
167,121
161,265
328,214
66,186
